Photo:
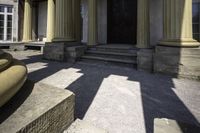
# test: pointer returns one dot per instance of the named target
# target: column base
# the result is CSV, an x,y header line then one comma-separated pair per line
x,y
178,62
180,43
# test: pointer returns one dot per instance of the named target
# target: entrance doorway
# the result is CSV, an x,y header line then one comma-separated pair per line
x,y
122,21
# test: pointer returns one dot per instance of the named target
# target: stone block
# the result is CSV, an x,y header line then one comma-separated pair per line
x,y
38,108
171,126
61,51
178,62
74,53
17,47
54,51
145,60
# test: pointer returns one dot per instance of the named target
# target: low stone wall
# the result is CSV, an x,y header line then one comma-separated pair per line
x,y
38,108
68,52
179,62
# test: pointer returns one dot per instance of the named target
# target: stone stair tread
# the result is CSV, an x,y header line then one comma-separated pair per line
x,y
117,46
109,59
80,126
111,53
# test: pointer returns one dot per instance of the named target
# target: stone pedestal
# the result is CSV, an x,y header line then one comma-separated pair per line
x,y
38,108
63,51
179,62
145,60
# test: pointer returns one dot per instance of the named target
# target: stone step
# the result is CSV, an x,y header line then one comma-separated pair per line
x,y
38,108
112,56
5,61
109,59
80,126
111,53
111,49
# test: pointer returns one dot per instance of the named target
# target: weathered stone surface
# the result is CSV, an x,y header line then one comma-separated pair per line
x,y
38,108
63,51
171,126
17,47
145,60
75,52
80,126
54,51
180,62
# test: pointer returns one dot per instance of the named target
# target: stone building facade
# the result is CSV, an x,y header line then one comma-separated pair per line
x,y
163,30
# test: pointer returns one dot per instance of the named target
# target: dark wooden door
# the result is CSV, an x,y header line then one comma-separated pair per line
x,y
122,21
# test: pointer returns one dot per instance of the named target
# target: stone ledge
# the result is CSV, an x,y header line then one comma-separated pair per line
x,y
38,108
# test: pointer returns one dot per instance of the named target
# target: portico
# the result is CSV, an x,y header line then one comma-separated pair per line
x,y
87,21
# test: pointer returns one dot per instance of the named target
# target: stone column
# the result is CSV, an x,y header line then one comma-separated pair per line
x,y
143,31
92,22
50,20
77,19
27,27
64,31
178,24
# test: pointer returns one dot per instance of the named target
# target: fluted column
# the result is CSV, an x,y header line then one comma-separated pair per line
x,y
143,32
64,31
178,24
27,26
50,20
92,22
77,19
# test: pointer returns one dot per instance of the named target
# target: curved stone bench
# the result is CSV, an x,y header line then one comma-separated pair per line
x,y
5,60
12,79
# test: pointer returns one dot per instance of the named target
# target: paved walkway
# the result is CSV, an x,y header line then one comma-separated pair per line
x,y
118,99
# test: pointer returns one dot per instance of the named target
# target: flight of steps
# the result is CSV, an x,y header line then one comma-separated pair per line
x,y
13,74
112,54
